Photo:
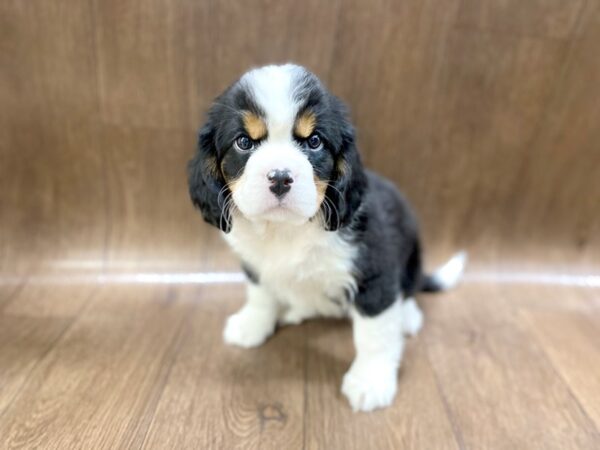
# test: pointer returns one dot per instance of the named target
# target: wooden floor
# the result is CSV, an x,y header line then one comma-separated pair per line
x,y
485,114
144,366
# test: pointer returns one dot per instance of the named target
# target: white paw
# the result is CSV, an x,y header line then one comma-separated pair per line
x,y
412,317
369,386
249,327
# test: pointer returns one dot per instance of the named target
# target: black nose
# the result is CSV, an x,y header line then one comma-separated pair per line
x,y
280,181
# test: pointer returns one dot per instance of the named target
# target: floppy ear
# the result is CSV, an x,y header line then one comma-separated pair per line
x,y
208,190
348,181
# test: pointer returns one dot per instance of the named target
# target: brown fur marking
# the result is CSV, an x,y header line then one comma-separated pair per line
x,y
305,125
321,189
255,126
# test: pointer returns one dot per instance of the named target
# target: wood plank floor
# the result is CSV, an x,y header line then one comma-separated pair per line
x,y
144,366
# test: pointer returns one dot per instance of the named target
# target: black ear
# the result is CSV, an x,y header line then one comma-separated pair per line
x,y
207,186
348,181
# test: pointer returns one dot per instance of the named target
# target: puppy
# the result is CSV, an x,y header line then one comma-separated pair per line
x,y
277,171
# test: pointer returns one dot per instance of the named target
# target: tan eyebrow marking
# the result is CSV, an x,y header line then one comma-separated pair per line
x,y
211,165
321,189
255,126
305,125
341,166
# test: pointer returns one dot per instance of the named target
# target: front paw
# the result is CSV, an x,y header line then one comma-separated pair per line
x,y
370,385
248,328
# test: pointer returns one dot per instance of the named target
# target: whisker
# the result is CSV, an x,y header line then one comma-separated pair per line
x,y
324,213
334,208
219,195
342,199
226,210
329,210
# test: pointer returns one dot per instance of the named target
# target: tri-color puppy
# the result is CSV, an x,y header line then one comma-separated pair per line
x,y
277,170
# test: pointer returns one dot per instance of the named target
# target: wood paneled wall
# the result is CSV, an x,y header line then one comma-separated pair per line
x,y
486,113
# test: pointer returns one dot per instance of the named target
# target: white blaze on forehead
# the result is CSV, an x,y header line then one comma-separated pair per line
x,y
276,91
273,88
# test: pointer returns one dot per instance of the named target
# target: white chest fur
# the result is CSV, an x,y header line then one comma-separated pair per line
x,y
303,266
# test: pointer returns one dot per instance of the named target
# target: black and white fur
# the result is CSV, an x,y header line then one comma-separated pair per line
x,y
341,242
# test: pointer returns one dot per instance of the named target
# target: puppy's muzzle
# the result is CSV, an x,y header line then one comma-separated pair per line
x,y
281,181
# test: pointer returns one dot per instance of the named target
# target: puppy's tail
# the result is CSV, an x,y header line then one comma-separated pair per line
x,y
447,276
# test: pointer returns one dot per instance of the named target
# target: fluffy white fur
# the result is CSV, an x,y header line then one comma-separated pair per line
x,y
371,381
412,317
273,88
253,197
255,322
304,270
448,275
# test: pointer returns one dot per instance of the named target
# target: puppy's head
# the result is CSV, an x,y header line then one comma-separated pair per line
x,y
278,147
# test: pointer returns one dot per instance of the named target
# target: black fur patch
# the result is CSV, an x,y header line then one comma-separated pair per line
x,y
214,166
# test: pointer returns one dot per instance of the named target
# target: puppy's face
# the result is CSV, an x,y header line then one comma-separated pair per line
x,y
279,148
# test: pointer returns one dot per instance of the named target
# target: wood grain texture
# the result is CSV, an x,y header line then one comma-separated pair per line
x,y
540,18
133,40
23,343
498,381
38,300
145,367
569,338
484,112
242,398
102,377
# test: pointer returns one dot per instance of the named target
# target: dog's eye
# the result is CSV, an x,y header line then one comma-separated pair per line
x,y
314,142
244,143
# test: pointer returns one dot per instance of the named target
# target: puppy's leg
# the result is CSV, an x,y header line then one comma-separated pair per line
x,y
412,317
255,322
371,381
